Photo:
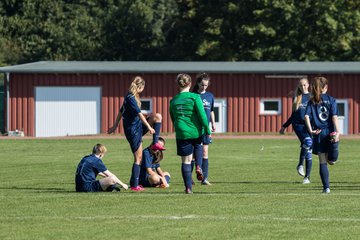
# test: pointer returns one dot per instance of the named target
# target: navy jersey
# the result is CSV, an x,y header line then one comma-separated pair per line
x,y
321,114
297,116
148,162
130,111
88,169
208,103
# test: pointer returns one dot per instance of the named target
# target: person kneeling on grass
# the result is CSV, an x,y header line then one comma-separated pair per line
x,y
92,166
151,174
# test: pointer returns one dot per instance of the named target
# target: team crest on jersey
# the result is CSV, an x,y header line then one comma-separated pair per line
x,y
206,103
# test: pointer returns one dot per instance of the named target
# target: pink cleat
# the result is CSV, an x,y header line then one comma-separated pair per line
x,y
157,146
138,188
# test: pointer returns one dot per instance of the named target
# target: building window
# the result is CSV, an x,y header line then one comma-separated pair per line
x,y
146,106
270,106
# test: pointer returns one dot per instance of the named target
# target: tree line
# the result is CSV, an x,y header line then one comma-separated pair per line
x,y
179,30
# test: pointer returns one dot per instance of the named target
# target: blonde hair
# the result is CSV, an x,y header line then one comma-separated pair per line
x,y
99,149
183,80
318,86
133,89
298,95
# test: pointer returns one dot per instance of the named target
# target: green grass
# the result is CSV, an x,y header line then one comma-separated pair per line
x,y
256,194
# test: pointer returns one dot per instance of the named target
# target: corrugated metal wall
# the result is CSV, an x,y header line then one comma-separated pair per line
x,y
242,92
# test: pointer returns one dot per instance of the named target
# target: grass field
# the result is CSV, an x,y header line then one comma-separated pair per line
x,y
256,194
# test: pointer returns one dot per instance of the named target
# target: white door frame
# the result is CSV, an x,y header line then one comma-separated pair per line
x,y
343,119
220,115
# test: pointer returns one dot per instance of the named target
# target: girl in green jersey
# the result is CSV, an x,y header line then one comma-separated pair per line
x,y
190,122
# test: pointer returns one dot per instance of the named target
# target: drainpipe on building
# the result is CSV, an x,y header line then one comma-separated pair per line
x,y
7,86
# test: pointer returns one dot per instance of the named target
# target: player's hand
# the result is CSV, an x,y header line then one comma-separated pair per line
x,y
125,186
316,132
282,130
151,130
111,130
213,128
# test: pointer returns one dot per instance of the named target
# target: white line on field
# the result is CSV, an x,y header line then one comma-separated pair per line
x,y
184,217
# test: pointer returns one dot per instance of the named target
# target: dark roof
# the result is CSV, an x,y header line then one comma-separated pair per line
x,y
187,67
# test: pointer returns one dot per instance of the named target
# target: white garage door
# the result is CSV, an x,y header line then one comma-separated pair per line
x,y
66,111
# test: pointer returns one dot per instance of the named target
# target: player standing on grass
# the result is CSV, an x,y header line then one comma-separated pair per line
x,y
151,175
298,123
135,126
90,167
322,122
202,83
190,123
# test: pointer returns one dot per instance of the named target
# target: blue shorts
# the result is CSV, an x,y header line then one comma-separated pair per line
x,y
89,187
206,139
185,147
134,135
321,142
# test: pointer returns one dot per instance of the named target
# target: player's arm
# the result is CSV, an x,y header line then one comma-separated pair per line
x,y
309,128
212,119
287,123
202,115
143,120
335,121
116,123
161,174
107,173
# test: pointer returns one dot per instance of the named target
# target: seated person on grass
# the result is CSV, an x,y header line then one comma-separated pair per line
x,y
92,166
151,174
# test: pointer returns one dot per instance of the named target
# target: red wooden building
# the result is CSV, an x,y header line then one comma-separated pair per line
x,y
81,98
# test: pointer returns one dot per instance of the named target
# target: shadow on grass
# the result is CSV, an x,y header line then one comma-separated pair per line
x,y
45,189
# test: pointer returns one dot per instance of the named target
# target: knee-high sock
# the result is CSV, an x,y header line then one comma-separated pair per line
x,y
135,173
205,167
324,174
303,153
157,127
198,154
308,166
186,174
192,165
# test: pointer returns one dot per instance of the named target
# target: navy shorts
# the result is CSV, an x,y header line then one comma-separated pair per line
x,y
185,147
321,142
206,139
89,187
134,136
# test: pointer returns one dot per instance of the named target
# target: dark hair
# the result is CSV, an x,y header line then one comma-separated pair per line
x,y
183,80
199,78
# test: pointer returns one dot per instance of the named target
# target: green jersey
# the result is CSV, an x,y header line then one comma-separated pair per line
x,y
188,116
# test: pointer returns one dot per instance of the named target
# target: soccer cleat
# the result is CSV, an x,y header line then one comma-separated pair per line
x,y
331,162
116,189
199,173
306,180
300,170
326,190
157,146
188,191
206,182
138,188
